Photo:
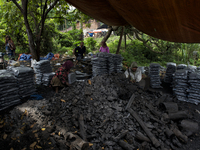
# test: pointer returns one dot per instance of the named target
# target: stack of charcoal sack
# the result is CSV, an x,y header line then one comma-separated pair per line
x,y
198,68
9,90
171,69
154,71
43,72
181,66
25,80
117,63
181,84
111,63
46,78
194,88
106,63
99,66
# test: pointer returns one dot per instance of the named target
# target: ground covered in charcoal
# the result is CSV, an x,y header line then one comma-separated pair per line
x,y
99,111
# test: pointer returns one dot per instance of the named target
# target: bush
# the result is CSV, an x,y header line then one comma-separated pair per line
x,y
66,42
2,46
75,44
90,43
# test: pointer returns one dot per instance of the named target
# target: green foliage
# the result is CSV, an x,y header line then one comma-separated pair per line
x,y
2,46
63,50
90,43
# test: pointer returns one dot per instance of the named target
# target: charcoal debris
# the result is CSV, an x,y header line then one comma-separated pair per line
x,y
97,114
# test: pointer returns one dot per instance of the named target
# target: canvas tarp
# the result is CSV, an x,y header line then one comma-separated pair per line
x,y
171,20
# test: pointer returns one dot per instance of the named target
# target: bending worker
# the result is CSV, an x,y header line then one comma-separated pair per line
x,y
135,75
60,79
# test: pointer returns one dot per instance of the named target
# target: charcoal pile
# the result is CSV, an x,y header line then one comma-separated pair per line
x,y
43,72
171,69
194,88
25,80
109,113
181,66
154,74
106,63
8,85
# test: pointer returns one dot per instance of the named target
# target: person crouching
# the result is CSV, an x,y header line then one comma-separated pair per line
x,y
60,78
135,75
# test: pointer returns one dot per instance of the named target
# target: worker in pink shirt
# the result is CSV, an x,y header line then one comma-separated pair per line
x,y
104,47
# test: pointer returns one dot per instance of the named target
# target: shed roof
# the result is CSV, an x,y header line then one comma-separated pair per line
x,y
171,20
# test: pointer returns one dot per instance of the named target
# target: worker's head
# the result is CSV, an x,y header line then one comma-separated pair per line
x,y
134,66
7,37
103,44
82,44
68,65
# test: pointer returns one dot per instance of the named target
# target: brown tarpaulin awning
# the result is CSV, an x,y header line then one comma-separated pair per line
x,y
171,20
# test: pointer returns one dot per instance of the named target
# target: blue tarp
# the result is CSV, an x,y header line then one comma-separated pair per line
x,y
25,57
49,56
91,34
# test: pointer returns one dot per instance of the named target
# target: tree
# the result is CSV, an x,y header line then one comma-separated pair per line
x,y
38,11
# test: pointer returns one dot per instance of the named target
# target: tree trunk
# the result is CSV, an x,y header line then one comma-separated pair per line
x,y
120,41
110,29
125,40
107,34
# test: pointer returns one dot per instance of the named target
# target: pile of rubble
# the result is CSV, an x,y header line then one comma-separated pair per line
x,y
106,112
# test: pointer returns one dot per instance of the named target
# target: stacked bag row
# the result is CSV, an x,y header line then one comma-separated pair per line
x,y
171,69
43,72
117,62
106,63
194,88
154,74
180,84
9,91
25,81
100,64
181,66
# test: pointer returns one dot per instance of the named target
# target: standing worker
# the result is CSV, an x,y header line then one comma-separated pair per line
x,y
79,51
10,46
104,47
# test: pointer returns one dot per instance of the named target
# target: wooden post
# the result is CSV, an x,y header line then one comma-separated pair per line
x,y
153,139
82,129
120,41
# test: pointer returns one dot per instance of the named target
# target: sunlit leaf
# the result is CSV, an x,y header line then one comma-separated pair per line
x,y
33,144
